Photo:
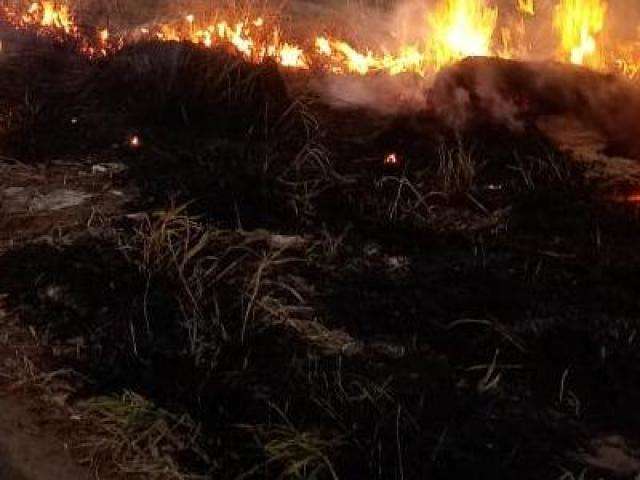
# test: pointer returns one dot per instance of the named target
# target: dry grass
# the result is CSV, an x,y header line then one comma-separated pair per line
x,y
457,169
298,351
543,170
175,82
37,80
134,437
54,99
227,283
296,454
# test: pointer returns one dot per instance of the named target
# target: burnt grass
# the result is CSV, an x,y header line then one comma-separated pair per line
x,y
470,311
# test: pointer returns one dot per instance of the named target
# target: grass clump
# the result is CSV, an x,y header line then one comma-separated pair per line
x,y
139,438
180,84
456,170
297,454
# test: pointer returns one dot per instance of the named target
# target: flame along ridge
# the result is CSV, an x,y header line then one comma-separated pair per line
x,y
457,29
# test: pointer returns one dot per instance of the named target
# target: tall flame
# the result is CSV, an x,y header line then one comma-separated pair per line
x,y
50,14
579,23
454,29
526,6
461,28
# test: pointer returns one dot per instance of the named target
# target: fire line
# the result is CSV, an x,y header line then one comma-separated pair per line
x,y
453,29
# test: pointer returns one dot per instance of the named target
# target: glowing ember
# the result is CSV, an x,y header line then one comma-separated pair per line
x,y
291,56
461,28
323,46
355,61
628,61
634,198
391,159
579,23
134,141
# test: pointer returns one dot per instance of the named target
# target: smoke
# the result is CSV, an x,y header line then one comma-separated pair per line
x,y
385,31
475,90
511,94
380,94
407,23
514,94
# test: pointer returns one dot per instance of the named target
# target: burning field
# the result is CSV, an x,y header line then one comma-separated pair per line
x,y
390,240
405,38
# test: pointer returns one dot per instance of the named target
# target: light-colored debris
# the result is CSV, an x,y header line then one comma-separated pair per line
x,y
21,199
397,262
586,147
613,453
137,217
58,199
13,191
286,241
108,167
15,199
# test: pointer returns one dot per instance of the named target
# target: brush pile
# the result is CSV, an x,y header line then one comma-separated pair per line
x,y
63,101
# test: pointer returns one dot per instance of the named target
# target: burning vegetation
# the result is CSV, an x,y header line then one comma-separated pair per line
x,y
450,31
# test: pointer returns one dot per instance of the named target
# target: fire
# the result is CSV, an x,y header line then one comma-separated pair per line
x,y
410,59
579,23
453,30
343,57
291,56
104,36
240,34
134,141
461,28
355,61
49,14
526,6
634,198
323,46
391,159
627,60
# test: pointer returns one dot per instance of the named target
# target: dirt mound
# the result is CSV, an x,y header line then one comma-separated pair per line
x,y
184,83
28,450
55,100
513,93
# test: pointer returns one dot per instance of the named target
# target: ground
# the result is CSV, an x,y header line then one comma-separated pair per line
x,y
269,296
31,451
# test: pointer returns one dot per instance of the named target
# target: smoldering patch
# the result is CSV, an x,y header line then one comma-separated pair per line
x,y
515,95
380,94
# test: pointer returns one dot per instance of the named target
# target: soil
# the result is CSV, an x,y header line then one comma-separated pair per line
x,y
29,448
384,306
445,315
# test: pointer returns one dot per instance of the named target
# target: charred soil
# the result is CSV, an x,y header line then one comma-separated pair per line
x,y
261,286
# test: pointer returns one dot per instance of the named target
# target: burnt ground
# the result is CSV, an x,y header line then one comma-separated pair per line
x,y
30,447
266,297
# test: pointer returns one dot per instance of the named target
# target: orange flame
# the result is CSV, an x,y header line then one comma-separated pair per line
x,y
453,30
49,14
461,28
579,23
526,6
